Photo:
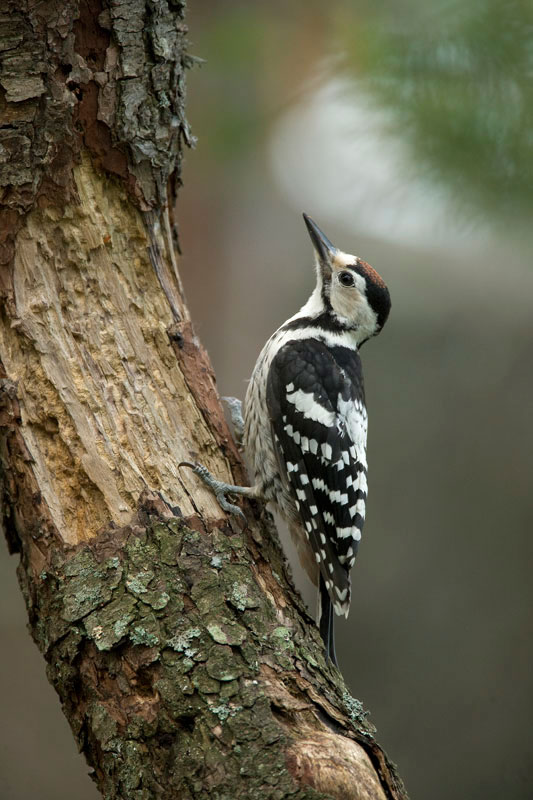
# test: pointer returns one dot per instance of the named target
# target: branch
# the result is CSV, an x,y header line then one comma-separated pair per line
x,y
184,660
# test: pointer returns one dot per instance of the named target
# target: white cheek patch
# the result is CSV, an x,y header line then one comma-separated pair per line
x,y
350,304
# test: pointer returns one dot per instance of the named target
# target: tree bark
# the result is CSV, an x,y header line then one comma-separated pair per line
x,y
184,660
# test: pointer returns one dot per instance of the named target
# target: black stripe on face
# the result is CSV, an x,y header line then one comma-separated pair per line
x,y
379,300
377,293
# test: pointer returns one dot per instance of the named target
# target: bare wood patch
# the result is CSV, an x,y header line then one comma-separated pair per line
x,y
106,410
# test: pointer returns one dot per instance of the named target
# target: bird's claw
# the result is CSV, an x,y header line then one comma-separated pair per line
x,y
219,488
230,508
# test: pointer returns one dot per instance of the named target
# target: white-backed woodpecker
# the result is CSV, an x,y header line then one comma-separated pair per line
x,y
305,423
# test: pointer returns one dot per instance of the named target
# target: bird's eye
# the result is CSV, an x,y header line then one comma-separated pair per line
x,y
346,278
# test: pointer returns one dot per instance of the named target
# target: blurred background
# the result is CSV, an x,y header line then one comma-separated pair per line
x,y
406,130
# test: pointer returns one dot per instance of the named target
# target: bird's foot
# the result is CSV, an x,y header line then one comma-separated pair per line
x,y
235,411
220,489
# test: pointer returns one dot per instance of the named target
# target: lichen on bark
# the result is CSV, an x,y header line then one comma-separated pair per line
x,y
171,632
180,674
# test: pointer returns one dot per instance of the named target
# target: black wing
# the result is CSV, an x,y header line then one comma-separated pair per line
x,y
316,404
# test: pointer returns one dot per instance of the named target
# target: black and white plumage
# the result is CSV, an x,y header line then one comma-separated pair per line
x,y
315,401
305,423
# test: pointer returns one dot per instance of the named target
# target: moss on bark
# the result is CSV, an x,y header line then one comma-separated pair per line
x,y
155,650
179,674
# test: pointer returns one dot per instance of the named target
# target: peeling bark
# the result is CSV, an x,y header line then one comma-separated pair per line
x,y
183,658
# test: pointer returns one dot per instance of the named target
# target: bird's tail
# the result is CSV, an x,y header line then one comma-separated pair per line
x,y
325,621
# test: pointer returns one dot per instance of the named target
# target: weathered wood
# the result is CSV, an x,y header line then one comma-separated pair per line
x,y
183,658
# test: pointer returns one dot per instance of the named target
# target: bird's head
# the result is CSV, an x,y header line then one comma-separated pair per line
x,y
348,289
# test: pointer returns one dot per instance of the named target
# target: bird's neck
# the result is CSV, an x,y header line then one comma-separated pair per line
x,y
314,307
316,317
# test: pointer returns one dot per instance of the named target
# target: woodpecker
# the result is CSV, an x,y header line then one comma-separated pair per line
x,y
305,423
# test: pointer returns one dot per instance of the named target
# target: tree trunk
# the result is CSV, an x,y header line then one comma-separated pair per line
x,y
183,658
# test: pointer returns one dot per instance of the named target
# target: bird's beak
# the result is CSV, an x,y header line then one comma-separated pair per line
x,y
322,245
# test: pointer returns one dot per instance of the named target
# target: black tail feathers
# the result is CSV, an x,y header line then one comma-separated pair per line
x,y
325,623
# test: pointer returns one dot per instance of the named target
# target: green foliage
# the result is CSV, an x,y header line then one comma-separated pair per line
x,y
455,76
457,79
